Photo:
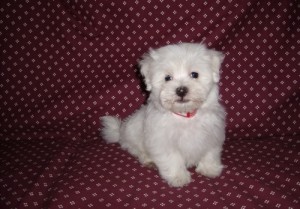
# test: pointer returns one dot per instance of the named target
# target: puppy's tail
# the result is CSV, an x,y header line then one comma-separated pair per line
x,y
110,129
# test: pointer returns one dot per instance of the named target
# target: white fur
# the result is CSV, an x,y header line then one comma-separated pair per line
x,y
157,134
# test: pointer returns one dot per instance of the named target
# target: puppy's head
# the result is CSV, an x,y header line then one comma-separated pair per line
x,y
180,77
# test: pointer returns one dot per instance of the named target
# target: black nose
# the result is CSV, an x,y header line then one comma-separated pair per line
x,y
182,91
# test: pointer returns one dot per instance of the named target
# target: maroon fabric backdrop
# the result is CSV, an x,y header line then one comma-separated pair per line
x,y
66,63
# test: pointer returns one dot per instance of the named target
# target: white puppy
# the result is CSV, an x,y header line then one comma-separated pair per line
x,y
182,124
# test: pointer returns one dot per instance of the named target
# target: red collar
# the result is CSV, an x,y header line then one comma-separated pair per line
x,y
187,114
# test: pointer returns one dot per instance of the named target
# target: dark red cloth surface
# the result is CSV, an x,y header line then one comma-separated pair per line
x,y
66,174
63,64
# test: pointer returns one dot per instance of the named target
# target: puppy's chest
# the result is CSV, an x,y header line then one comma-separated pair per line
x,y
192,140
191,148
189,138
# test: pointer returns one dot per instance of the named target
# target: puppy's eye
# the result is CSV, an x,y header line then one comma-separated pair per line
x,y
194,75
168,78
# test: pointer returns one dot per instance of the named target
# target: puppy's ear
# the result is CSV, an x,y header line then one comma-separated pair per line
x,y
145,67
216,59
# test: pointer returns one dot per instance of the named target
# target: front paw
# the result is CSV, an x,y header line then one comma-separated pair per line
x,y
179,179
209,170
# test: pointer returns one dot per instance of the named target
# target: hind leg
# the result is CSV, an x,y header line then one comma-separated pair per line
x,y
137,150
110,129
132,136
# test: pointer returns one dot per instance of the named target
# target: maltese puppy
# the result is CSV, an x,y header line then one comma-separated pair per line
x,y
183,123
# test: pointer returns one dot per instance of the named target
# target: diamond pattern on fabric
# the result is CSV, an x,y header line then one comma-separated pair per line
x,y
63,64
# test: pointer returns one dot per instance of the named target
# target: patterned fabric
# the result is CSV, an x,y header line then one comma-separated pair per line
x,y
66,63
67,174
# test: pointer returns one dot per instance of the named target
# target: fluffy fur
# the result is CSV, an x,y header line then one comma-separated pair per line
x,y
182,124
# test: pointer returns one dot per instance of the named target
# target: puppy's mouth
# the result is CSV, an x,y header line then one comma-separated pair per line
x,y
182,101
